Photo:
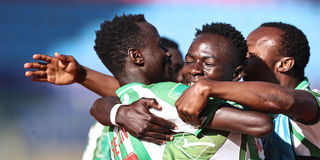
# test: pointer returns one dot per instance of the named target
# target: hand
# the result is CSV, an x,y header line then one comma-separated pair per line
x,y
142,124
59,70
191,103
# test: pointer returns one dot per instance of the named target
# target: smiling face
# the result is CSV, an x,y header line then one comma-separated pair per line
x,y
263,46
211,57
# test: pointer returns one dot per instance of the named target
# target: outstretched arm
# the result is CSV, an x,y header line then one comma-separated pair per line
x,y
63,70
261,96
135,118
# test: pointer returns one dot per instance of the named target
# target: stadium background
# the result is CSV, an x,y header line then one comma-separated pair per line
x,y
44,121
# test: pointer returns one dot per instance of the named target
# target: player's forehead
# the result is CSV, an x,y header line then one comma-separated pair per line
x,y
210,45
264,35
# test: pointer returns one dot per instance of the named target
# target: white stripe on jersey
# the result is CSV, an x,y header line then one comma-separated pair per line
x,y
126,142
310,132
230,149
299,148
94,133
116,140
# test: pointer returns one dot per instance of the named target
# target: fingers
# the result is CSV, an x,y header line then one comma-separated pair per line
x,y
58,55
39,79
163,123
189,117
150,103
42,57
61,57
157,138
153,140
183,115
154,127
196,121
180,111
64,58
38,73
35,65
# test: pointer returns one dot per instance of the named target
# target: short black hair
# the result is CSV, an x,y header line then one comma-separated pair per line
x,y
294,44
168,43
226,30
114,39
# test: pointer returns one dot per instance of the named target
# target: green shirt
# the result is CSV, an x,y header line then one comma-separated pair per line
x,y
189,143
306,138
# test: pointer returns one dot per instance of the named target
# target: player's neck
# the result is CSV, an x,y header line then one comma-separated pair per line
x,y
134,78
289,81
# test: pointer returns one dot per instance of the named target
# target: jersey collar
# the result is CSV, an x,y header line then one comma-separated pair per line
x,y
304,84
124,88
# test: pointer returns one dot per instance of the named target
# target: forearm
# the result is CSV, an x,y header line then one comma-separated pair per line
x,y
102,84
245,122
264,97
101,109
267,97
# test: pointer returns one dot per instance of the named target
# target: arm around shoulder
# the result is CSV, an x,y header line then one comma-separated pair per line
x,y
101,109
245,122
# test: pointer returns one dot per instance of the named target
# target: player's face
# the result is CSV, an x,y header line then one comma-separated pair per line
x,y
157,59
177,63
263,44
209,57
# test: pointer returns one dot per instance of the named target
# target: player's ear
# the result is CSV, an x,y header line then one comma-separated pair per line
x,y
135,56
285,64
237,74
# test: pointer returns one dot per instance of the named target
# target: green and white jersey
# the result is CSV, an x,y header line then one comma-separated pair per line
x,y
306,138
254,144
98,145
189,143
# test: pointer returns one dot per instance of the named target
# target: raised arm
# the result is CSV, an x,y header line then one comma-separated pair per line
x,y
261,96
63,70
135,118
102,84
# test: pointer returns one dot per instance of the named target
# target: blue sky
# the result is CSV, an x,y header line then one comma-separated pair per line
x,y
178,22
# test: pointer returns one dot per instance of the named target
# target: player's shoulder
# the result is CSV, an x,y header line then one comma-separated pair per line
x,y
316,91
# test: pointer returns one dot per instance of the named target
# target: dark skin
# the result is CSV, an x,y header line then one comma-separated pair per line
x,y
164,133
209,58
203,50
135,118
64,70
177,63
146,65
275,95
